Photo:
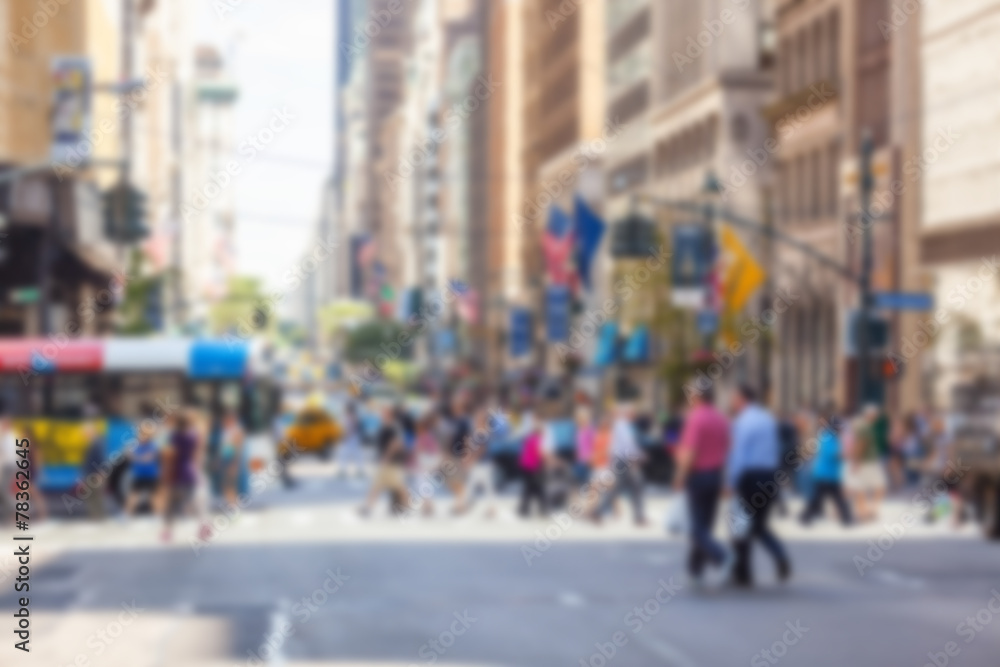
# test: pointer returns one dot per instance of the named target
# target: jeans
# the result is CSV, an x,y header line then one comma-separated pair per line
x,y
757,501
824,488
533,488
627,479
703,489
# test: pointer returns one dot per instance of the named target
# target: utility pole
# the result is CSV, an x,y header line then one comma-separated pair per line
x,y
126,138
867,183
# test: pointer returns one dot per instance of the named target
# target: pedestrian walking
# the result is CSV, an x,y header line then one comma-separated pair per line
x,y
865,478
489,426
701,457
626,460
455,429
350,459
186,460
427,462
942,473
532,466
827,472
9,435
144,468
390,471
753,465
231,444
585,433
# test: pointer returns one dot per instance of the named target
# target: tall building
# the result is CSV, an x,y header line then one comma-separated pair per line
x,y
59,272
505,180
205,244
564,111
842,76
959,237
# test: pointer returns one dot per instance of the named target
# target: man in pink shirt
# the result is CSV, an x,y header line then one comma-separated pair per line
x,y
701,457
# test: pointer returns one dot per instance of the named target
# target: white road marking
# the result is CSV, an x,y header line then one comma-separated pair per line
x,y
894,578
657,559
279,621
670,655
571,599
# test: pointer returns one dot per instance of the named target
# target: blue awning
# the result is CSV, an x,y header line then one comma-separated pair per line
x,y
217,360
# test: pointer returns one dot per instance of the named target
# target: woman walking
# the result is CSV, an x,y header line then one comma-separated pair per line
x,y
827,472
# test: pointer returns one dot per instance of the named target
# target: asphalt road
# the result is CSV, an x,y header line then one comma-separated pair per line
x,y
616,602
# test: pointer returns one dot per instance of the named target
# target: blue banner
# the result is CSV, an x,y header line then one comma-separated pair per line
x,y
557,313
694,253
520,332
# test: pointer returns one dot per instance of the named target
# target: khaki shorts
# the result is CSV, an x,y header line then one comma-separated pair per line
x,y
867,477
389,476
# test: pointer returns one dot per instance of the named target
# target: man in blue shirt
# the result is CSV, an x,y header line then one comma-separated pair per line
x,y
751,475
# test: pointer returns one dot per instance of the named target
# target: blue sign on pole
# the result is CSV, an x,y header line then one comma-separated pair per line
x,y
557,313
520,332
693,256
903,300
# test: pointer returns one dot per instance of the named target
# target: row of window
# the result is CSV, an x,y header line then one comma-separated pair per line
x,y
811,55
687,148
808,185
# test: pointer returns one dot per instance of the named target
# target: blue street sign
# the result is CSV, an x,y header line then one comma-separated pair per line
x,y
903,300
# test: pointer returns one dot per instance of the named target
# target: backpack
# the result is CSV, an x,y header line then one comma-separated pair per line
x,y
531,454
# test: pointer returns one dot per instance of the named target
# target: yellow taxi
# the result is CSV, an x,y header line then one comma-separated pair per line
x,y
314,431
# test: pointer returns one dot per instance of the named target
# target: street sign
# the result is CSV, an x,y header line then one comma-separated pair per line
x,y
23,295
903,300
70,116
692,262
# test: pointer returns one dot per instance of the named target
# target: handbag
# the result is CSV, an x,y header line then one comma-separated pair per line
x,y
739,520
677,519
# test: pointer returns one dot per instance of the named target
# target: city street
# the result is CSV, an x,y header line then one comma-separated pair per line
x,y
301,571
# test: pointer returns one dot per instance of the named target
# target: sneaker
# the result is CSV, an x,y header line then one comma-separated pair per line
x,y
784,571
724,570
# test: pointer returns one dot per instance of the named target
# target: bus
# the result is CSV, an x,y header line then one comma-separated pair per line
x,y
52,389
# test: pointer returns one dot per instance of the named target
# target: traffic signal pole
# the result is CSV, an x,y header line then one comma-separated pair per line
x,y
867,183
863,280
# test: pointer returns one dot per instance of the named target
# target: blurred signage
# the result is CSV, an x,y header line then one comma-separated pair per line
x,y
694,253
71,95
557,313
520,332
708,322
45,356
24,295
31,200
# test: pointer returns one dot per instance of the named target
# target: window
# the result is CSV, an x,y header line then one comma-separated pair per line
x,y
833,178
815,185
834,45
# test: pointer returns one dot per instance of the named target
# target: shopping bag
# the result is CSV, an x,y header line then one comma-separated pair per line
x,y
676,521
738,518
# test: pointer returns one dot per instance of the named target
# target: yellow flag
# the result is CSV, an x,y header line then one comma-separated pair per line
x,y
742,275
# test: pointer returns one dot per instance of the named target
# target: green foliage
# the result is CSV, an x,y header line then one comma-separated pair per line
x,y
380,337
142,295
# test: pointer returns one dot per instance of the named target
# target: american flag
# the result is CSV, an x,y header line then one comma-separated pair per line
x,y
467,302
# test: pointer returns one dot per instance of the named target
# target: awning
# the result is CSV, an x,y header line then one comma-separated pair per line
x,y
607,345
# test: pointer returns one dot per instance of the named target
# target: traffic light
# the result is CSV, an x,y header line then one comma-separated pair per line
x,y
124,214
878,331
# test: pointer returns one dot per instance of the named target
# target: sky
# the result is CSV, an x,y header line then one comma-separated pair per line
x,y
281,55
